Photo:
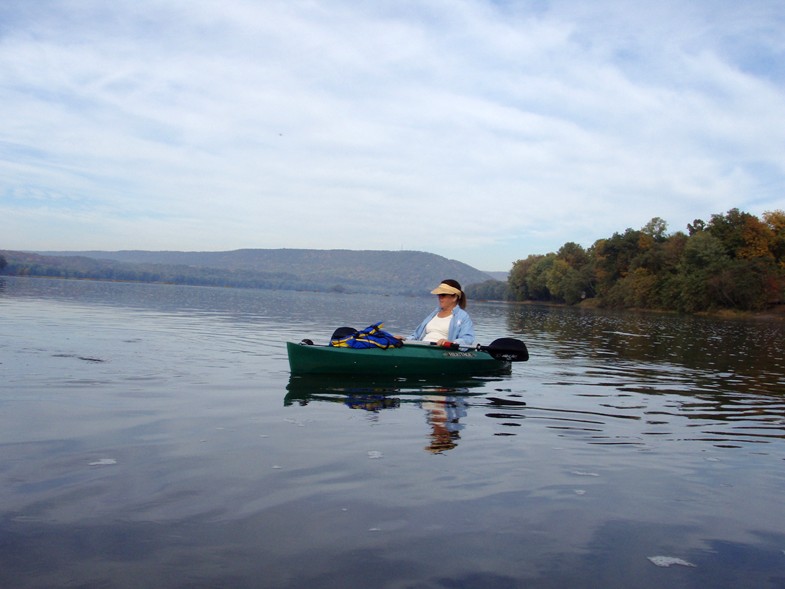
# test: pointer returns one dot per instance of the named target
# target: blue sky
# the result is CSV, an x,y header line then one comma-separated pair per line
x,y
481,131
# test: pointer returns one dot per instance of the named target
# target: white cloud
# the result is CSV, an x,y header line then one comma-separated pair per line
x,y
478,130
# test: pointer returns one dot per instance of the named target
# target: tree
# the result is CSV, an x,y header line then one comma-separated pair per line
x,y
696,226
638,289
734,261
518,278
573,254
758,238
775,221
742,284
613,258
704,257
3,263
490,290
563,282
571,278
657,229
537,278
737,231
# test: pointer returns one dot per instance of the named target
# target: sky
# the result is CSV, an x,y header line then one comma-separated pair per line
x,y
483,131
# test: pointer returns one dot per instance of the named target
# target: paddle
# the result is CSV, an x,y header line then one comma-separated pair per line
x,y
505,348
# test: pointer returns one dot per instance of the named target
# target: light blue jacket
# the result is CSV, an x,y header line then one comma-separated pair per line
x,y
461,327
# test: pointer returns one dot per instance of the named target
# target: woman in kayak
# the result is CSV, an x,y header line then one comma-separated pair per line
x,y
449,322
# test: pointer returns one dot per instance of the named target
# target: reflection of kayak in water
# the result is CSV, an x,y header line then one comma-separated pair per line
x,y
351,400
371,403
377,392
445,400
405,361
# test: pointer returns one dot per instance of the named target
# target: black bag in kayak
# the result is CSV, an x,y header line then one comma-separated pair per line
x,y
372,336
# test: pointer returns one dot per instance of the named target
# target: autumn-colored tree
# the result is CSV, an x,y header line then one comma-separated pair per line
x,y
734,261
757,238
742,234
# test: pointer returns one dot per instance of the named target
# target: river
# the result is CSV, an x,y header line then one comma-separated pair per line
x,y
152,437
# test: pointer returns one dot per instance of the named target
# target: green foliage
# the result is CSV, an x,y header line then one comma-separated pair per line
x,y
537,278
489,290
775,221
615,257
703,258
657,229
565,283
564,277
573,254
518,279
735,261
729,229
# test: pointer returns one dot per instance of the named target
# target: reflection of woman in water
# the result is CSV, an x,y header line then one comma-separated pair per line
x,y
443,414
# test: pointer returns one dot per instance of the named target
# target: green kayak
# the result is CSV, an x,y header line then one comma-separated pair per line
x,y
408,360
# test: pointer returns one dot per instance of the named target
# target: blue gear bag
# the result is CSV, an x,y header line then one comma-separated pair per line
x,y
372,336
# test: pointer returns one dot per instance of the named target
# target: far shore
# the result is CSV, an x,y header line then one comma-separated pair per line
x,y
775,312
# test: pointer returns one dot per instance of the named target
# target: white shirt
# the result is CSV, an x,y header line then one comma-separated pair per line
x,y
437,328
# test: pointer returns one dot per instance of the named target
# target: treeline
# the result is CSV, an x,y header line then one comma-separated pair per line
x,y
733,261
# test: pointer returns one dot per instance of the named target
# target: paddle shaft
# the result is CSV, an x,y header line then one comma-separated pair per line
x,y
509,349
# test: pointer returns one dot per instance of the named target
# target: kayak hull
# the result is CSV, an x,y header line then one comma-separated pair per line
x,y
408,360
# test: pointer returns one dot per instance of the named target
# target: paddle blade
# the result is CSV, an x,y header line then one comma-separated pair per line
x,y
507,348
343,332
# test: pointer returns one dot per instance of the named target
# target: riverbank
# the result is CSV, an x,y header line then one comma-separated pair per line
x,y
774,313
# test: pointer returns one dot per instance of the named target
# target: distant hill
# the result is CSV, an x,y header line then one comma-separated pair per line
x,y
386,272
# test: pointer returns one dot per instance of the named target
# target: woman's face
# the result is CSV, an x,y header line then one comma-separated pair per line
x,y
447,301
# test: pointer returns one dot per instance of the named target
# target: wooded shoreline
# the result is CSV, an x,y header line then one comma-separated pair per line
x,y
734,263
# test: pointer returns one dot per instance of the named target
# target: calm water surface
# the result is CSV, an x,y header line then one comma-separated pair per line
x,y
152,437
